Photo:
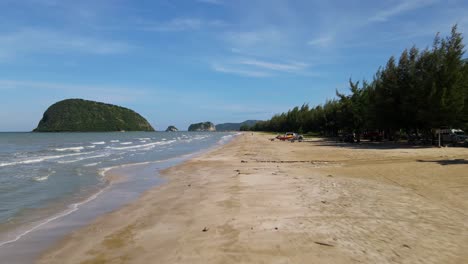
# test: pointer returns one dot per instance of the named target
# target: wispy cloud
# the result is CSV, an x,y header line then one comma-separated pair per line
x,y
182,24
402,7
46,41
239,71
245,39
252,67
321,41
285,67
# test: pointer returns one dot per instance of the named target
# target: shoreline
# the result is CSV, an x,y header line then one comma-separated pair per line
x,y
253,200
112,176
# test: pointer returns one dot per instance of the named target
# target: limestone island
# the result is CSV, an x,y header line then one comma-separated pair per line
x,y
78,115
204,126
171,129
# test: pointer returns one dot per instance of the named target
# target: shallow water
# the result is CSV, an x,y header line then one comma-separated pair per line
x,y
45,178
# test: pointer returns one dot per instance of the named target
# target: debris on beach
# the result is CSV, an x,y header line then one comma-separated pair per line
x,y
323,244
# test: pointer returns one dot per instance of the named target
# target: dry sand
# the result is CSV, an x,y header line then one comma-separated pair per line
x,y
257,201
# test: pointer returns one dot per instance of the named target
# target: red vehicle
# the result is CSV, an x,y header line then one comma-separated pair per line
x,y
373,135
290,136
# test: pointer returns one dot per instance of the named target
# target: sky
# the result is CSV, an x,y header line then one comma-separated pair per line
x,y
179,62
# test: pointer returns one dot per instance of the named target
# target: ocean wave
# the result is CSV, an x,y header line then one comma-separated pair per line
x,y
38,159
126,143
144,145
115,141
92,146
84,158
144,138
43,177
69,149
92,164
98,143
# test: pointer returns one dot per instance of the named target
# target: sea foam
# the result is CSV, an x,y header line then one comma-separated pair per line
x,y
69,149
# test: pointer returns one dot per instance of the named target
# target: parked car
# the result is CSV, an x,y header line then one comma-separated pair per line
x,y
290,136
453,136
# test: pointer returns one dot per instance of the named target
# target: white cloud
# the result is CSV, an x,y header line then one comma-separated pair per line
x,y
238,71
46,41
403,7
286,67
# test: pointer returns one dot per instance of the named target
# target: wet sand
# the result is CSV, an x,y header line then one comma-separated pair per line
x,y
258,201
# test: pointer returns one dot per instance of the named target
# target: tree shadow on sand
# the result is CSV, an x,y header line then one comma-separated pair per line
x,y
370,145
448,162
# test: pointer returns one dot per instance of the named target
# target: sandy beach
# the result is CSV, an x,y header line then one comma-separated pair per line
x,y
259,201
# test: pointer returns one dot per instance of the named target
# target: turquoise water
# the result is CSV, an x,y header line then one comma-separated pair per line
x,y
42,174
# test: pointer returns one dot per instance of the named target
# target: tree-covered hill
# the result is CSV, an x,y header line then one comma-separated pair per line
x,y
204,126
78,115
235,126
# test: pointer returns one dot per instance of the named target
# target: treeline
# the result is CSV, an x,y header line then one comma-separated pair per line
x,y
422,91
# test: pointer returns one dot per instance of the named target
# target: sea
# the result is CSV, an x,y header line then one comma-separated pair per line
x,y
53,183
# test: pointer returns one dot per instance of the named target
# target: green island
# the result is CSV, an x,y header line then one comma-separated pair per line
x,y
78,115
171,129
203,126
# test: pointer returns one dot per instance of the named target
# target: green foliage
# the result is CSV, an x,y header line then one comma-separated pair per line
x,y
244,128
235,126
78,115
421,91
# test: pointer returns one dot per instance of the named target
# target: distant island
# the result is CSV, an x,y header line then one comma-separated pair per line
x,y
171,129
236,126
78,115
204,126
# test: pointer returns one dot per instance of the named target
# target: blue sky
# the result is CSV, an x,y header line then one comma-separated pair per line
x,y
186,61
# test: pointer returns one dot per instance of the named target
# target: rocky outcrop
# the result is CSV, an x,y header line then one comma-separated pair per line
x,y
78,115
204,126
172,129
